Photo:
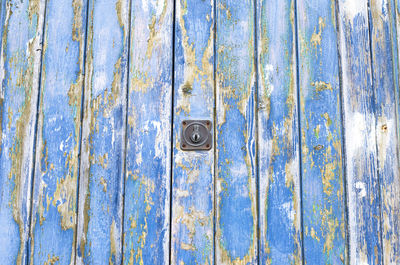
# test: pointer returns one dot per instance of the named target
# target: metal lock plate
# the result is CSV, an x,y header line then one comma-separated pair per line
x,y
196,135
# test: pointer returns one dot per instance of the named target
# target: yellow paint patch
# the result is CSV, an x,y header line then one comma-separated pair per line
x,y
314,234
316,37
321,86
104,184
113,243
51,260
187,247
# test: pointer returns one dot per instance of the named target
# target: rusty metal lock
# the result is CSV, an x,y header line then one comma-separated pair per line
x,y
196,135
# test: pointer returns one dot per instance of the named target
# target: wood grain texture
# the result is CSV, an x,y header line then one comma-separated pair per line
x,y
394,11
2,18
193,172
323,197
148,161
236,205
360,135
394,25
279,171
384,83
58,137
103,137
20,60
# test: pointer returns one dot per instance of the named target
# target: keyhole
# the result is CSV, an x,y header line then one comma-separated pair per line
x,y
196,137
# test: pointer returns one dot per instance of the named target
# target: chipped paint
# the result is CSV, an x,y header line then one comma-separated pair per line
x,y
56,175
316,37
52,260
323,197
235,137
192,226
370,125
20,64
360,141
321,86
100,205
384,83
113,245
146,209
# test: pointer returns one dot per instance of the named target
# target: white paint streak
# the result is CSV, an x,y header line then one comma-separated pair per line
x,y
353,8
359,132
361,190
269,75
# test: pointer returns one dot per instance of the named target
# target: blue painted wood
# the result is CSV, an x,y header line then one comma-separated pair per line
x,y
134,110
20,73
103,138
236,206
384,83
148,160
394,16
58,136
394,6
360,135
193,172
279,172
323,198
2,19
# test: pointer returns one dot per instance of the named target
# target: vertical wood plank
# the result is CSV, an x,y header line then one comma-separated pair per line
x,y
279,171
394,17
2,19
323,197
103,137
193,172
236,206
20,73
384,83
58,137
395,31
360,136
148,162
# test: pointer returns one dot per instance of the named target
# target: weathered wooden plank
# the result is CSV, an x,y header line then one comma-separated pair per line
x,y
103,137
394,6
236,206
148,162
384,83
360,136
323,197
20,72
2,19
193,172
279,171
58,136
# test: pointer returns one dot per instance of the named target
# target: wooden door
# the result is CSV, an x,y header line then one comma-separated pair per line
x,y
302,98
